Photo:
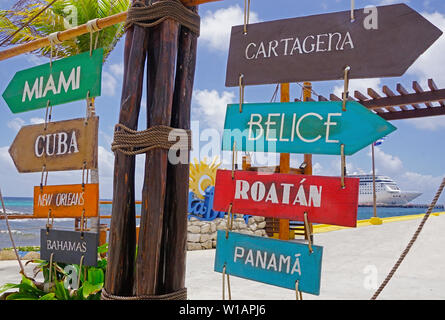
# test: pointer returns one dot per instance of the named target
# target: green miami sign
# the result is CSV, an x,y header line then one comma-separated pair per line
x,y
64,81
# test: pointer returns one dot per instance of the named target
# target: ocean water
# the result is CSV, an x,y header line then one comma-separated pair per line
x,y
26,232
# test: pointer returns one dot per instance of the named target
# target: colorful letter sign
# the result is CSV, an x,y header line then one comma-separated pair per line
x,y
288,196
381,42
68,79
302,127
63,145
275,262
69,246
66,201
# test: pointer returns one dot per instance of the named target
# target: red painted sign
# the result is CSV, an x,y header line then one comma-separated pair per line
x,y
288,196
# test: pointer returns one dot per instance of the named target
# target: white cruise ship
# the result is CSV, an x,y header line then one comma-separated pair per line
x,y
387,191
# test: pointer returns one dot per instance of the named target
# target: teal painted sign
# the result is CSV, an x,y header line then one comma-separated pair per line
x,y
302,127
68,79
276,262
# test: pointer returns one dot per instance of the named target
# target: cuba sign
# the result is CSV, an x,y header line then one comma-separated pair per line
x,y
63,145
302,127
288,196
67,80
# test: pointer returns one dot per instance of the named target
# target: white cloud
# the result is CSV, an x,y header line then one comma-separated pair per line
x,y
210,106
37,120
117,69
430,64
361,85
16,124
109,84
106,162
428,123
387,163
216,26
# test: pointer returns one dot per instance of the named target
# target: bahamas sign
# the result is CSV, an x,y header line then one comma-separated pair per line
x,y
275,262
68,79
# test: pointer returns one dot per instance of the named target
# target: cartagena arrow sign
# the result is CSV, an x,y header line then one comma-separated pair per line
x,y
68,79
271,261
288,196
383,41
302,127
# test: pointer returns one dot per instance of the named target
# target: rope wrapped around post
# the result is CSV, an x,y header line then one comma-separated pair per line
x,y
132,142
177,295
152,15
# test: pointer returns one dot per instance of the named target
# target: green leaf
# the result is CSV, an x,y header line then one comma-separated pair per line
x,y
20,296
61,293
103,248
89,289
8,286
95,275
49,296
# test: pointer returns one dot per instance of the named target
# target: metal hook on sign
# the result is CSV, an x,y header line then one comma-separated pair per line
x,y
48,225
80,271
83,175
41,178
343,165
298,293
82,223
241,92
228,284
246,15
307,232
346,88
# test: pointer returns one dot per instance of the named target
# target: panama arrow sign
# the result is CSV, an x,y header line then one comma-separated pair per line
x,y
383,41
302,127
67,80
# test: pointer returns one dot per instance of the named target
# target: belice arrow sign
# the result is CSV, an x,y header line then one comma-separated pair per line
x,y
68,79
382,42
63,145
288,196
302,127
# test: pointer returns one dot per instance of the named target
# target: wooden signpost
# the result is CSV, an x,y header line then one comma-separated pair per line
x,y
383,42
302,127
62,145
66,201
69,246
69,79
288,196
276,262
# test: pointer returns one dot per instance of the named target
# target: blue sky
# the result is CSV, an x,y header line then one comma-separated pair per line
x,y
412,155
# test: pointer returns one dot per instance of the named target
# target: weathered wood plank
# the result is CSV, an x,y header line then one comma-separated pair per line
x,y
175,223
162,53
122,239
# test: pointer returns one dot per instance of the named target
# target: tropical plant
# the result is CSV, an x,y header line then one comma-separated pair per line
x,y
58,284
61,15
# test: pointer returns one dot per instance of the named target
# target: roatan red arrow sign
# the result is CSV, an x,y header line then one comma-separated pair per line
x,y
288,196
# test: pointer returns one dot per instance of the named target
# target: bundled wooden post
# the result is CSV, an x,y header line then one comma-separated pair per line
x,y
122,238
170,48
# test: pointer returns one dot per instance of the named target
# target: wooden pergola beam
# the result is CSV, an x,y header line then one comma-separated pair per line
x,y
415,113
406,99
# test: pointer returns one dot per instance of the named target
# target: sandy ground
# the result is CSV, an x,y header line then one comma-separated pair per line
x,y
355,262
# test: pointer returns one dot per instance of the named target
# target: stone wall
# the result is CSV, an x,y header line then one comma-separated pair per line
x,y
202,234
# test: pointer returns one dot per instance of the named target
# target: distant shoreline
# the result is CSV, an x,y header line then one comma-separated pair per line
x,y
439,206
